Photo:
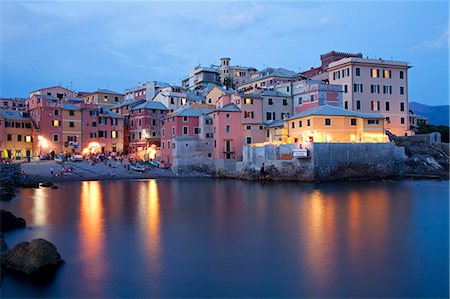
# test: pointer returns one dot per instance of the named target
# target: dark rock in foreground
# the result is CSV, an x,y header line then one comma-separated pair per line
x,y
3,245
9,222
46,184
36,258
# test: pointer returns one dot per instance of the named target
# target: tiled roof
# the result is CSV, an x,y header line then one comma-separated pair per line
x,y
109,112
230,108
126,103
67,106
45,97
13,115
334,111
106,91
274,124
74,99
151,105
186,111
274,93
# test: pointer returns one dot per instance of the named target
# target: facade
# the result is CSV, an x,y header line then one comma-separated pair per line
x,y
144,91
103,97
183,124
145,123
276,105
326,59
72,127
268,78
54,91
173,97
415,121
16,142
374,86
13,104
333,124
252,122
123,109
234,75
307,94
200,76
213,92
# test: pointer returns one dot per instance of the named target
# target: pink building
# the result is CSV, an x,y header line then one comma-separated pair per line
x,y
227,132
123,109
252,123
55,91
309,94
13,104
179,125
145,125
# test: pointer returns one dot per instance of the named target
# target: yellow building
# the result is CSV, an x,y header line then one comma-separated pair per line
x,y
213,93
15,135
333,124
71,128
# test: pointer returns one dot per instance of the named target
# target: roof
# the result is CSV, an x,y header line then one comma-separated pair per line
x,y
150,105
192,96
186,111
67,106
46,97
107,91
109,112
74,99
56,86
274,93
334,111
13,115
229,108
206,69
248,95
274,124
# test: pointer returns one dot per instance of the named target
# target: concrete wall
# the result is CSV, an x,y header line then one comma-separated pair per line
x,y
421,138
190,153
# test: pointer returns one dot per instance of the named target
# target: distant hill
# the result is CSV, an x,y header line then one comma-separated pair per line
x,y
437,115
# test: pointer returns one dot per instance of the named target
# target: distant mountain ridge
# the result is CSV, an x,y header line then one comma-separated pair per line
x,y
437,115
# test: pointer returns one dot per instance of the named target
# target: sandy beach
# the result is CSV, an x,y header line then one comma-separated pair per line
x,y
41,171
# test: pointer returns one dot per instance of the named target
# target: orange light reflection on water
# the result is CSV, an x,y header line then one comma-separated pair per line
x,y
91,230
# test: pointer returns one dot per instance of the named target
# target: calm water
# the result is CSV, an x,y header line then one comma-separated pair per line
x,y
197,238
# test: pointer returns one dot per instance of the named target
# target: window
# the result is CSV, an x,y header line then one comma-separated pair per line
x,y
17,125
300,124
300,100
8,124
173,145
372,121
270,101
140,122
375,105
357,87
228,129
102,134
402,74
287,88
185,119
402,90
293,125
248,101
28,138
173,131
163,132
374,73
163,145
215,143
168,144
327,121
140,135
387,89
261,128
56,123
116,99
388,106
249,140
228,115
196,131
9,137
248,114
308,122
71,112
55,137
374,88
311,97
402,120
353,121
248,127
358,105
357,71
285,102
56,112
172,101
346,105
388,119
153,122
105,98
185,130
345,88
269,115
387,73
402,106
94,135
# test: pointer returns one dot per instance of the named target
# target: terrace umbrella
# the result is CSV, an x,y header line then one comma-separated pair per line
x,y
5,154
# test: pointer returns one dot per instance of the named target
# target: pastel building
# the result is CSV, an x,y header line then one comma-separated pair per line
x,y
54,91
333,124
199,76
144,91
276,105
182,127
374,86
145,125
72,127
103,97
173,97
307,94
46,117
326,59
252,122
268,78
213,92
16,140
234,75
123,109
13,103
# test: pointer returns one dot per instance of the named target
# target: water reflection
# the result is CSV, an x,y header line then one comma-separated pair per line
x,y
39,210
91,231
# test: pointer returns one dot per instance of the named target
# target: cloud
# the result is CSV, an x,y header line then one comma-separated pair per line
x,y
439,43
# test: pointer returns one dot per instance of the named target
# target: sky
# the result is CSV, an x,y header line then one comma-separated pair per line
x,y
88,46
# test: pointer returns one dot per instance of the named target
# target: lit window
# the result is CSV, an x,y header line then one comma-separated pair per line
x,y
27,138
374,73
56,123
248,101
113,134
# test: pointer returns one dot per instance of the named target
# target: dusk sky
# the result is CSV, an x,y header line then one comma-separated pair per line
x,y
88,46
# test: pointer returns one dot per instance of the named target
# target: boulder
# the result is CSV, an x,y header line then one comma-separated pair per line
x,y
29,184
35,258
3,245
46,184
9,222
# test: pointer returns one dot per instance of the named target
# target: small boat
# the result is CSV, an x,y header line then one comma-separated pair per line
x,y
154,164
137,167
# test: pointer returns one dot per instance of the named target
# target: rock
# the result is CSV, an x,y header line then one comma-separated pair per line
x,y
9,222
46,184
3,245
54,187
35,258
